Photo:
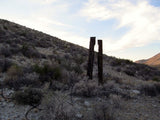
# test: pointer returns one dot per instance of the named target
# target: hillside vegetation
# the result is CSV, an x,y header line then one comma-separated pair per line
x,y
48,75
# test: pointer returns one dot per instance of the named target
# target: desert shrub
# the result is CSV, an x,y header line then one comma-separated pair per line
x,y
91,88
79,59
23,34
128,61
29,51
29,96
77,69
14,71
1,85
4,64
66,64
16,78
47,72
116,62
102,111
6,51
157,85
5,27
149,89
143,71
129,72
109,77
115,100
157,79
119,62
57,73
56,107
43,43
12,78
86,88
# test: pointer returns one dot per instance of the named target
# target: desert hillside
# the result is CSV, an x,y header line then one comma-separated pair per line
x,y
153,61
45,77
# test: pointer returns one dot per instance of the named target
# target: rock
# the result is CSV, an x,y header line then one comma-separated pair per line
x,y
136,92
154,105
86,103
78,115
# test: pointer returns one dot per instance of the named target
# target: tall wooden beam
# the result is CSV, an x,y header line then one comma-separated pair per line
x,y
100,62
91,57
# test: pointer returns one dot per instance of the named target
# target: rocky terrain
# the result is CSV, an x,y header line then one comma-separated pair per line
x,y
46,76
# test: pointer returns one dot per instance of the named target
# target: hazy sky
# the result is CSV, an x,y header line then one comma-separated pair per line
x,y
129,28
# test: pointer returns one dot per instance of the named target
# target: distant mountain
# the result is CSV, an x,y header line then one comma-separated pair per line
x,y
153,61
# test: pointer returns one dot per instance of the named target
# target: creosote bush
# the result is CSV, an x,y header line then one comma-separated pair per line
x,y
30,51
48,72
29,96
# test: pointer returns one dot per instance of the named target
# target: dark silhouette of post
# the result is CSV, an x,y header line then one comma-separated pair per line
x,y
100,62
91,57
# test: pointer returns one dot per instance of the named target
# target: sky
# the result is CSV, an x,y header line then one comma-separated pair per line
x,y
130,29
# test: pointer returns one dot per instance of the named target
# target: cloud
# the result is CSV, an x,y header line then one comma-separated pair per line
x,y
43,1
139,16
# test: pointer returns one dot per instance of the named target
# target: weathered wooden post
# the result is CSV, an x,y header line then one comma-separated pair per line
x,y
91,57
100,62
